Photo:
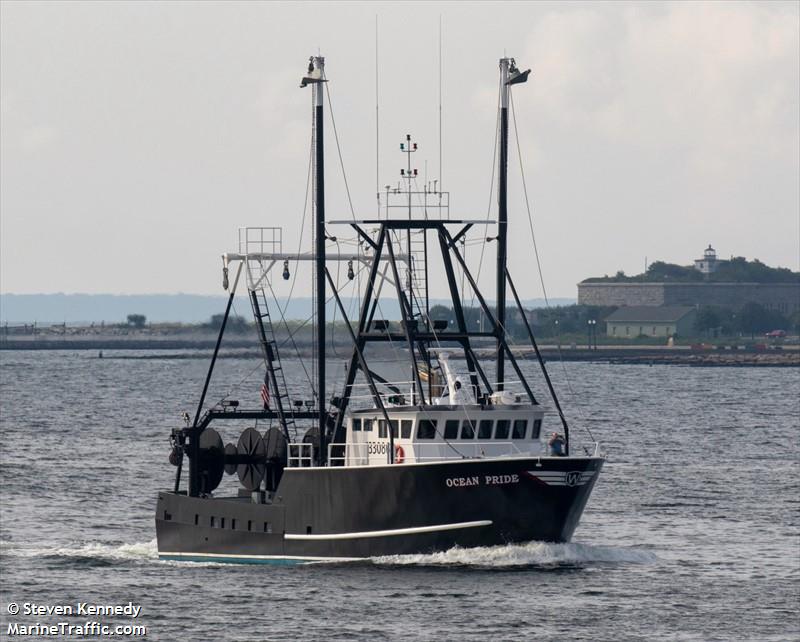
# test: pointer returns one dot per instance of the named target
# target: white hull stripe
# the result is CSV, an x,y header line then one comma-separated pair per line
x,y
390,533
244,558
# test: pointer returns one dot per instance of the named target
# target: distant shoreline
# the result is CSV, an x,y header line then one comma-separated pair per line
x,y
247,348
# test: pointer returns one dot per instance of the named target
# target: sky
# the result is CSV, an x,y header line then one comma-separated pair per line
x,y
135,138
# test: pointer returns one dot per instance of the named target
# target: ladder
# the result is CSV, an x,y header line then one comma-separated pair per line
x,y
279,391
415,279
416,293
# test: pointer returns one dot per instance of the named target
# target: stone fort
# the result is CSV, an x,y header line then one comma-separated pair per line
x,y
780,297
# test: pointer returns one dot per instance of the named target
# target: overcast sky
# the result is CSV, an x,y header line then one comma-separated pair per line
x,y
137,137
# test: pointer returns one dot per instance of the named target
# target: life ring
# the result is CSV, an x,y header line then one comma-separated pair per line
x,y
399,455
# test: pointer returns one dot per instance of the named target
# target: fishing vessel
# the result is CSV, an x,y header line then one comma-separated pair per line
x,y
454,453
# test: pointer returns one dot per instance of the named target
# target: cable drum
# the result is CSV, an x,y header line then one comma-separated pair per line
x,y
230,457
211,460
312,437
276,454
251,451
276,446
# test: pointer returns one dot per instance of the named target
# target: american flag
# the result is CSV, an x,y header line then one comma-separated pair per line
x,y
265,395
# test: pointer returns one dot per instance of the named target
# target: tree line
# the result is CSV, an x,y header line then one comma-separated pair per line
x,y
711,321
751,319
736,270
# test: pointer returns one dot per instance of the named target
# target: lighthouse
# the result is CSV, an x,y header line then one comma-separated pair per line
x,y
708,263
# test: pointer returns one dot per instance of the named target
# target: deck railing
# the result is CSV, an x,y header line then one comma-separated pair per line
x,y
361,394
301,455
340,454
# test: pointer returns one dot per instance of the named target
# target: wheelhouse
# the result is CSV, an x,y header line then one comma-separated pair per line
x,y
437,433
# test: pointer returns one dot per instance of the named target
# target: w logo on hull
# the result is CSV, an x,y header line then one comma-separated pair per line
x,y
560,478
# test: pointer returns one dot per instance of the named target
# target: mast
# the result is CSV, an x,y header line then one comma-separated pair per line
x,y
509,75
316,77
502,221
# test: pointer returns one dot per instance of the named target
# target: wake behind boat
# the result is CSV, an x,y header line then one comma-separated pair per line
x,y
435,460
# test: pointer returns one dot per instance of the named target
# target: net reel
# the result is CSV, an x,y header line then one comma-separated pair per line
x,y
210,461
312,437
230,459
251,454
277,453
256,458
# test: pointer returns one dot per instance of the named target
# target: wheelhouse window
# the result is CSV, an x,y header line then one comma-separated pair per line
x,y
394,426
381,428
502,429
367,425
485,429
356,425
405,428
537,429
467,429
426,429
451,429
520,428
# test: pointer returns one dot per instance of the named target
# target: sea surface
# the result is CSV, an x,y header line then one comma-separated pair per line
x,y
692,532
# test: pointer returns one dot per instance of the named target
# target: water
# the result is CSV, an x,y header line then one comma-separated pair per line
x,y
692,533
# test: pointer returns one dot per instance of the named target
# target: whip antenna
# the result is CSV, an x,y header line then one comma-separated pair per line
x,y
377,131
440,102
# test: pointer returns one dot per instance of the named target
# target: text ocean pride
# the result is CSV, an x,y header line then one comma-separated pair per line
x,y
475,480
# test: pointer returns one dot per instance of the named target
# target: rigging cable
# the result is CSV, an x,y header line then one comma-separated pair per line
x,y
425,412
303,324
291,289
347,190
491,194
302,223
291,338
353,282
344,177
539,266
335,308
339,151
283,310
238,385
